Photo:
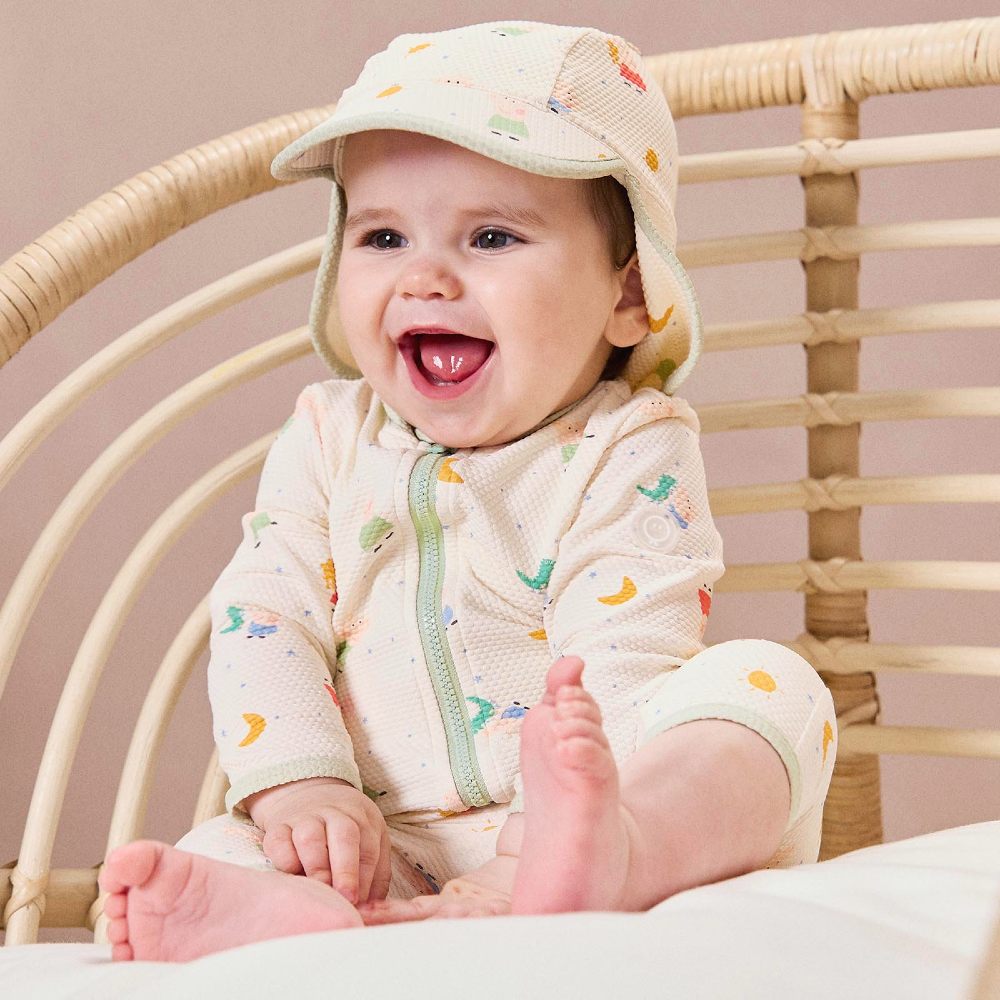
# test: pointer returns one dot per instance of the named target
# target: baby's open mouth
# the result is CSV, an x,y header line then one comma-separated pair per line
x,y
447,358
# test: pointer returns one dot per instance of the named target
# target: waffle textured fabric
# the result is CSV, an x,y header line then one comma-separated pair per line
x,y
393,607
560,101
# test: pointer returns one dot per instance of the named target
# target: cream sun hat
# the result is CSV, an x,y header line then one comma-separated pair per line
x,y
549,99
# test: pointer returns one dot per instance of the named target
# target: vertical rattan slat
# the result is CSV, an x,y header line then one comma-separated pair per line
x,y
853,814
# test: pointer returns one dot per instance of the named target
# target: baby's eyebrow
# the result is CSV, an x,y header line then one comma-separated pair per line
x,y
516,214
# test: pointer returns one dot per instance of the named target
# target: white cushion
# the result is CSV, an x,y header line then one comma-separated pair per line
x,y
909,919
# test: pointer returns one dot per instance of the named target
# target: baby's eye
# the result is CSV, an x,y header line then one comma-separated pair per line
x,y
496,238
382,234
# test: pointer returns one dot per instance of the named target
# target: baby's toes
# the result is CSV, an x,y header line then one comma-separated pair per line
x,y
575,701
118,930
474,908
580,726
122,953
114,905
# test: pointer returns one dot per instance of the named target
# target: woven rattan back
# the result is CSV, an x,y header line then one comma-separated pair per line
x,y
828,76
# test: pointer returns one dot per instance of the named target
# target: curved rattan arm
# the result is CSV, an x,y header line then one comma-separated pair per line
x,y
51,273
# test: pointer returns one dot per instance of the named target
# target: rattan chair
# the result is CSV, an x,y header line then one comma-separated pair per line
x,y
829,76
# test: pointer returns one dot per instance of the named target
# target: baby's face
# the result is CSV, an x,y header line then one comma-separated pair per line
x,y
433,249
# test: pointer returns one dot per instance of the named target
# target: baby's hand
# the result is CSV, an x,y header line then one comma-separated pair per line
x,y
325,829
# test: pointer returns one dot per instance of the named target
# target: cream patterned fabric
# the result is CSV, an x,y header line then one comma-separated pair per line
x,y
393,607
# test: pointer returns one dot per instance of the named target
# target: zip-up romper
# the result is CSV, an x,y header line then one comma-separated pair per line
x,y
392,610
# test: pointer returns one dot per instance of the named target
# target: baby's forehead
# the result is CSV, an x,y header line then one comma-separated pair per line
x,y
397,157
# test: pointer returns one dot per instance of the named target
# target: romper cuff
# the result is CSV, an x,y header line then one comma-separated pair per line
x,y
293,770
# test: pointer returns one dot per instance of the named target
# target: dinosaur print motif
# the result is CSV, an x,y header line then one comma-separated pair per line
x,y
235,615
486,711
661,491
541,580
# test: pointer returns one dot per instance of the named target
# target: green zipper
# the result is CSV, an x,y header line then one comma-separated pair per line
x,y
437,653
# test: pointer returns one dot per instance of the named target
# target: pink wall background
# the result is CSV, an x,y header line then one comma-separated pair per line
x,y
98,92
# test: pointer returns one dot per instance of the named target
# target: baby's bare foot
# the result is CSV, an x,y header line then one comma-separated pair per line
x,y
575,851
169,905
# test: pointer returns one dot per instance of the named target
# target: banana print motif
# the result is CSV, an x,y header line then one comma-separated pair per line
x,y
257,724
657,325
627,592
446,474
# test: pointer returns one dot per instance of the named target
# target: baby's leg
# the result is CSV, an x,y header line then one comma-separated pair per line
x,y
710,795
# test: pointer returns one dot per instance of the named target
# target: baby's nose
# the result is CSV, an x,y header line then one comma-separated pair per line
x,y
428,277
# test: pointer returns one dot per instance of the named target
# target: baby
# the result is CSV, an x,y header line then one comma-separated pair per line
x,y
508,495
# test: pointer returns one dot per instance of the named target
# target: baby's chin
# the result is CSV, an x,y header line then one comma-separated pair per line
x,y
460,436
459,440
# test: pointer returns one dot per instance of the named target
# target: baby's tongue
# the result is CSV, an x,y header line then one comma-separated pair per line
x,y
452,357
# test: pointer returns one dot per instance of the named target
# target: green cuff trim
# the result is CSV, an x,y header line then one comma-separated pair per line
x,y
758,723
293,770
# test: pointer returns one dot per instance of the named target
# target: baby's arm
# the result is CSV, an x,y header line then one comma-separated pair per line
x,y
281,738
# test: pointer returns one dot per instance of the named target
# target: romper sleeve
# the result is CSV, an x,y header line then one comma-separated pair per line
x,y
630,594
275,712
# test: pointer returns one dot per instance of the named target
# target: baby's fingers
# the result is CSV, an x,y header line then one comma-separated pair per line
x,y
344,845
373,845
383,868
277,845
310,839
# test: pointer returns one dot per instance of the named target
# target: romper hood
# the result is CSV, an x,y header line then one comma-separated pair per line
x,y
553,100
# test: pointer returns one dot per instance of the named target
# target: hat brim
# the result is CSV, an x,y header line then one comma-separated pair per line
x,y
513,138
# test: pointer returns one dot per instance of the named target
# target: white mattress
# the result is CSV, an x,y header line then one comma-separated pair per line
x,y
910,919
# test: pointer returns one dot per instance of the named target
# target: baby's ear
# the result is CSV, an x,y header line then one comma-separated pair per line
x,y
629,322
